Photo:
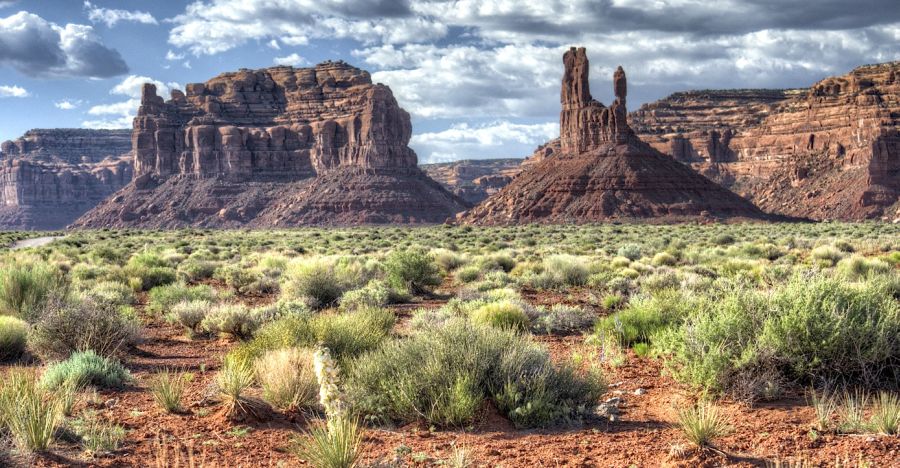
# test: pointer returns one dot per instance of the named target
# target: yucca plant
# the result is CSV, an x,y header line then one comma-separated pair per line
x,y
168,388
886,413
852,411
288,378
31,414
333,444
702,424
233,381
825,406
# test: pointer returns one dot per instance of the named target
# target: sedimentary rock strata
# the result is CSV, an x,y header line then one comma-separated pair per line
x,y
473,180
828,152
278,146
48,178
603,171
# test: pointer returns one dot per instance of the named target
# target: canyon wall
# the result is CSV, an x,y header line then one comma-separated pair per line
x,y
474,180
50,177
828,152
279,146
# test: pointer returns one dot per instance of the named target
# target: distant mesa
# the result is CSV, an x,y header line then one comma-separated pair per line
x,y
281,146
474,180
602,171
828,152
50,177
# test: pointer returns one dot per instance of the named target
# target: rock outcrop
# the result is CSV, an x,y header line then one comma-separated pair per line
x,y
828,152
50,177
474,180
603,171
275,147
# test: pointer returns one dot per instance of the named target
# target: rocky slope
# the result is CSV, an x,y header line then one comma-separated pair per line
x,y
473,180
602,171
50,177
275,147
828,152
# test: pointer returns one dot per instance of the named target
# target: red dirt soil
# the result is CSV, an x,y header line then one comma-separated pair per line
x,y
644,436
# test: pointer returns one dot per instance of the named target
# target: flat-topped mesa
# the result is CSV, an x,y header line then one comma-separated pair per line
x,y
585,123
277,121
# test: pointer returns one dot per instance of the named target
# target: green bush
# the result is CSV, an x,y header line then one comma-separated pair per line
x,y
164,298
664,259
504,314
315,281
236,320
149,278
86,368
110,292
13,335
646,315
443,373
562,270
630,251
412,270
26,286
30,413
80,325
562,318
190,315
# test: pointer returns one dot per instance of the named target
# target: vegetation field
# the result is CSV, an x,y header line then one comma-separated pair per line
x,y
609,345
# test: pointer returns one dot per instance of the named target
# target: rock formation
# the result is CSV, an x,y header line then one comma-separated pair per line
x,y
48,178
828,152
275,147
603,171
474,180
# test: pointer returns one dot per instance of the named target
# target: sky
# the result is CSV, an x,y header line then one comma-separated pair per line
x,y
479,77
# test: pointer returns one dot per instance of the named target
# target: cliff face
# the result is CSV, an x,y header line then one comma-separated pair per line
x,y
48,178
600,170
278,146
473,180
828,152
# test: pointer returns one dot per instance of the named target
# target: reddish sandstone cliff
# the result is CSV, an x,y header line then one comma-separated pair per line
x,y
275,147
602,171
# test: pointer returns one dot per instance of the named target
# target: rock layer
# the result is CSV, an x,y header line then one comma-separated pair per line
x,y
50,177
828,152
602,171
321,145
474,180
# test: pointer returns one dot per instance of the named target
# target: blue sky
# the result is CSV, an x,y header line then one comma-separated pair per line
x,y
480,77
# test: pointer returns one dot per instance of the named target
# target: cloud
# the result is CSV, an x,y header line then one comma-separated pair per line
x,y
111,17
40,48
121,114
294,60
7,3
214,26
13,92
174,57
68,104
494,139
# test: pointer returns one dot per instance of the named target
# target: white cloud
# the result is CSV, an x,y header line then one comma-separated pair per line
x,y
13,92
38,47
495,139
294,60
274,44
68,104
111,17
173,57
121,114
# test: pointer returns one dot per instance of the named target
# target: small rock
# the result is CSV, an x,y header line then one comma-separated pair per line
x,y
614,401
616,384
640,391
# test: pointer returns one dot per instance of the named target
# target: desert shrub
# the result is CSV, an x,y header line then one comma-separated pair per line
x,y
164,298
237,277
563,270
314,281
630,251
13,336
110,292
857,267
375,294
503,314
660,280
448,260
664,259
723,239
430,318
645,316
612,301
827,253
334,444
821,326
236,320
499,261
562,318
195,270
97,436
149,278
702,424
80,325
26,286
190,315
886,413
412,270
287,378
86,368
29,412
468,274
442,373
346,335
